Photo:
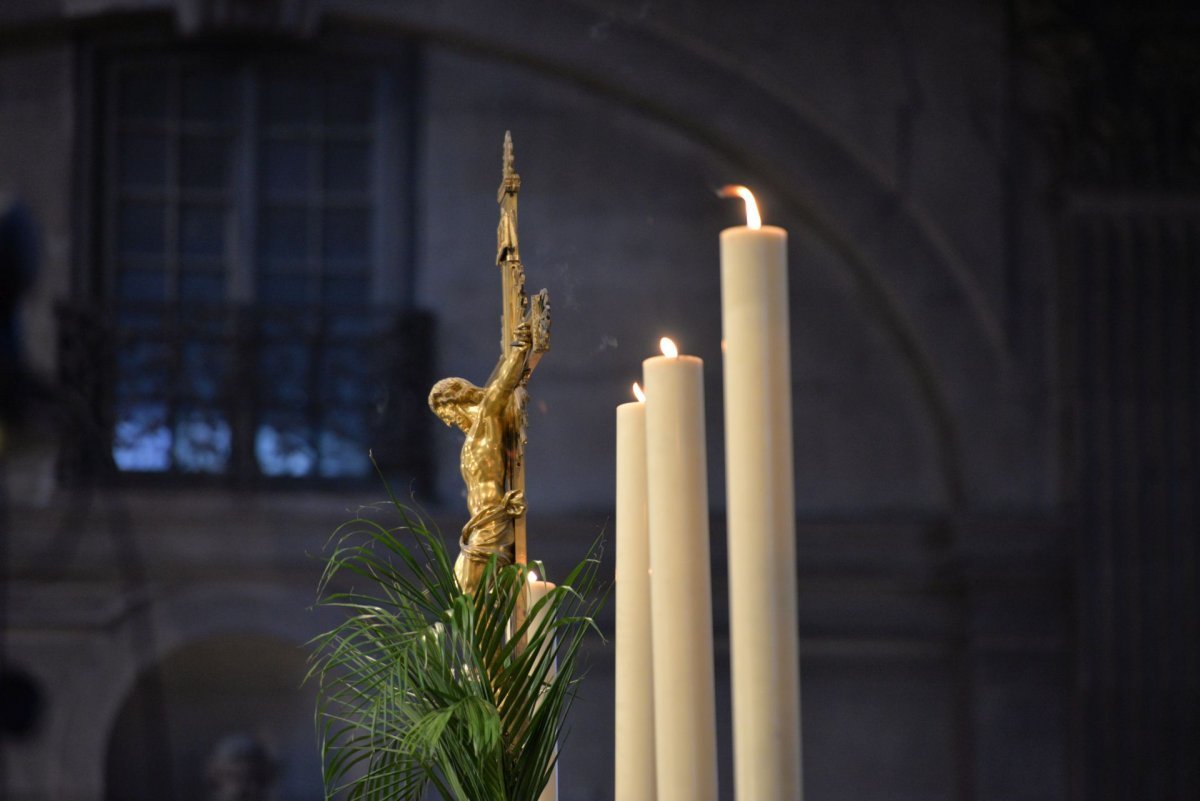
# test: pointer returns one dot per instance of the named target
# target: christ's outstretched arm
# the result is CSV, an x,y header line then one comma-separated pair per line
x,y
508,373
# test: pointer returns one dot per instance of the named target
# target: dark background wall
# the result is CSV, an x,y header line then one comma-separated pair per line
x,y
993,237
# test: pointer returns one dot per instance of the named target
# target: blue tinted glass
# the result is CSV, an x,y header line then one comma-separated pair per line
x,y
278,325
141,437
343,445
284,372
353,326
286,168
142,286
283,446
286,100
346,236
346,167
208,96
347,389
204,162
204,370
348,101
202,231
346,291
143,94
345,375
140,228
142,369
142,161
206,288
203,441
135,320
283,235
285,290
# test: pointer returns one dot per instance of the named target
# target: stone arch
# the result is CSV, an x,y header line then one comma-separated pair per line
x,y
899,259
894,251
207,694
211,613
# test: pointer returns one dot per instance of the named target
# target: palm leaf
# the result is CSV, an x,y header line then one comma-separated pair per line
x,y
421,685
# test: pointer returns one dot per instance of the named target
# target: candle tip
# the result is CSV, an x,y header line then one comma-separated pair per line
x,y
668,348
753,219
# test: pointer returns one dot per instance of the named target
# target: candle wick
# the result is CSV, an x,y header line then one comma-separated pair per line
x,y
753,219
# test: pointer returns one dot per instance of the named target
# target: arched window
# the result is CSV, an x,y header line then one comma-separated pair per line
x,y
253,223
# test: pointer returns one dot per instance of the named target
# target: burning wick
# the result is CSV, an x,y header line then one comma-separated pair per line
x,y
637,393
753,220
668,348
533,576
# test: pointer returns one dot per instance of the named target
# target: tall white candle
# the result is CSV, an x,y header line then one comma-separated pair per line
x,y
634,743
764,653
680,591
539,589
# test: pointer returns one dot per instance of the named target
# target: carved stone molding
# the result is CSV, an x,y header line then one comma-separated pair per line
x,y
294,18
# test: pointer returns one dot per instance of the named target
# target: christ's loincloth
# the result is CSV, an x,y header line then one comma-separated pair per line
x,y
490,532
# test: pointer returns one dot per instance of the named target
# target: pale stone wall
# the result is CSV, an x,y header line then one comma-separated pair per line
x,y
932,568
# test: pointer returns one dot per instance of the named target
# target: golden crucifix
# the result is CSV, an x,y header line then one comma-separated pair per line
x,y
493,416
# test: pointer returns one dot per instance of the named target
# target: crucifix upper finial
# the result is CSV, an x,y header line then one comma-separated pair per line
x,y
511,182
506,196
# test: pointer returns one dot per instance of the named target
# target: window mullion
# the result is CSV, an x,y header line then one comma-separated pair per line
x,y
173,318
242,289
317,268
172,188
316,199
245,407
383,258
112,191
110,260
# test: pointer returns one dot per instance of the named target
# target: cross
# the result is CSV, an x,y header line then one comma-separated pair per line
x,y
517,307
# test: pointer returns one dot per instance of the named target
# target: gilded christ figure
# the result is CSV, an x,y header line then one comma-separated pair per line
x,y
493,416
489,417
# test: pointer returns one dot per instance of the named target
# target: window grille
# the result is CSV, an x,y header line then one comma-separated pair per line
x,y
247,229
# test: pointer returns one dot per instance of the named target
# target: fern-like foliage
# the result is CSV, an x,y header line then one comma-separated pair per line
x,y
422,685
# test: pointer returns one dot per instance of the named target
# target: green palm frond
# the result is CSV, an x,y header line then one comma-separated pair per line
x,y
423,686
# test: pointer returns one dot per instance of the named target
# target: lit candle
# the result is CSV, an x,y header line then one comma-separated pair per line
x,y
764,655
680,591
634,742
539,589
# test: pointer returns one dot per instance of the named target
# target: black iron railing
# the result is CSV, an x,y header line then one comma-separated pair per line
x,y
245,395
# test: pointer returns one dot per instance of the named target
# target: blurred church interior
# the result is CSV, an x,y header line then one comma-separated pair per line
x,y
240,239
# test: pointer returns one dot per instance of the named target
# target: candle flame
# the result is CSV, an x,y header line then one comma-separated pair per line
x,y
637,393
533,576
753,220
668,348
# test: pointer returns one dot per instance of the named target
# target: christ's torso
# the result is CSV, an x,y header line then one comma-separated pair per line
x,y
483,463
